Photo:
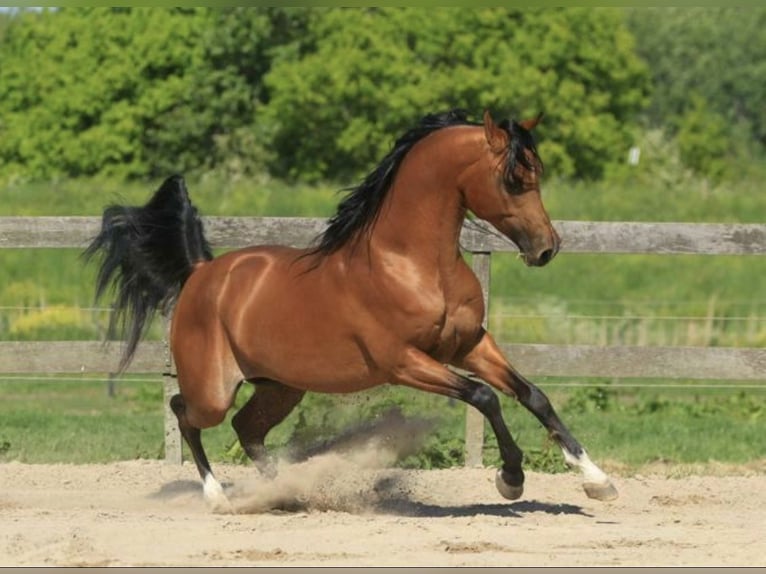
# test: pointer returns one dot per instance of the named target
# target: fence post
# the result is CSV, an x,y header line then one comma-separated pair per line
x,y
474,420
173,443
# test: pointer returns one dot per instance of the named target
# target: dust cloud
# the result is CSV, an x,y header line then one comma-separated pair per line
x,y
349,473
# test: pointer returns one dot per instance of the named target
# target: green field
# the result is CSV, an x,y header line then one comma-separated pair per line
x,y
78,422
589,299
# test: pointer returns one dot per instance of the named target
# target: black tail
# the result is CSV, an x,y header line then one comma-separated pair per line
x,y
147,254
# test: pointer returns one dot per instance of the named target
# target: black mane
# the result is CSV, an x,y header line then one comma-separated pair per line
x,y
358,211
520,140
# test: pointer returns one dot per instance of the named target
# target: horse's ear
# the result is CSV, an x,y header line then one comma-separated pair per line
x,y
531,124
496,136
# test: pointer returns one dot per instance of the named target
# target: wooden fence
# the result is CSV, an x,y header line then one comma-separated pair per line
x,y
723,363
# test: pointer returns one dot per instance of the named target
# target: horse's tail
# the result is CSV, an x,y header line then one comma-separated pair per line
x,y
147,254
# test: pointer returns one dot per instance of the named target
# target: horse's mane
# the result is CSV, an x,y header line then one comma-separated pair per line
x,y
358,211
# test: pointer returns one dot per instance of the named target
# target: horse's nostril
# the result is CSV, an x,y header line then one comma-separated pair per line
x,y
546,256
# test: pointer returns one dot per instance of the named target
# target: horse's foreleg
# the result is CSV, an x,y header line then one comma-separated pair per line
x,y
488,362
270,404
212,489
422,372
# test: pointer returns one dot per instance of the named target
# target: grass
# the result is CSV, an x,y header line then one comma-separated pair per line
x,y
630,299
78,422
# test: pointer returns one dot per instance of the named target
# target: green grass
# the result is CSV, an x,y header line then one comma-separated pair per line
x,y
740,200
630,299
77,422
638,426
211,196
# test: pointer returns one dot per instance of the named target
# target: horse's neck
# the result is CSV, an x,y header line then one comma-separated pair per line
x,y
423,214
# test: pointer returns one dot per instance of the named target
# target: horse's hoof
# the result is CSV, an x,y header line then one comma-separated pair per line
x,y
216,500
507,490
603,492
221,506
219,503
268,469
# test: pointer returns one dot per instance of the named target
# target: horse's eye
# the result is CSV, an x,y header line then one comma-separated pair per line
x,y
514,185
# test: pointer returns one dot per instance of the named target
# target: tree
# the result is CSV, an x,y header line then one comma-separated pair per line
x,y
703,139
82,91
135,92
374,72
719,54
309,93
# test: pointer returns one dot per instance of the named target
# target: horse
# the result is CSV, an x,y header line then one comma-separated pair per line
x,y
382,296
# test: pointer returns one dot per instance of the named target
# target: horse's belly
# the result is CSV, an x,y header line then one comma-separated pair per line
x,y
308,346
330,366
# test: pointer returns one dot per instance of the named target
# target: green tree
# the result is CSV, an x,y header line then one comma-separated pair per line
x,y
717,53
214,128
82,91
310,93
135,92
703,140
4,20
373,72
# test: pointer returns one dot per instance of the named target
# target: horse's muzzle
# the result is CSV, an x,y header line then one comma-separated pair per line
x,y
543,254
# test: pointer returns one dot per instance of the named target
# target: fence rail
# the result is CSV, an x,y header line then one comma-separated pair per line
x,y
577,236
724,363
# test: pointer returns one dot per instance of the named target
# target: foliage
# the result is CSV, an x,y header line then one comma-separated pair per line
x,y
57,321
175,91
716,53
589,400
76,421
703,140
592,399
307,93
750,408
320,93
545,458
4,21
372,72
659,163
66,119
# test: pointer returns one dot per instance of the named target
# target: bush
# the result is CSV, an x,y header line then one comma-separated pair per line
x,y
305,93
56,322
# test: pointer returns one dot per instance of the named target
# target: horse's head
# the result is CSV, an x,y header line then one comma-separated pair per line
x,y
505,190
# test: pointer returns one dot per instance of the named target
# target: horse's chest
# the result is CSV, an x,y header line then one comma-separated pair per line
x,y
436,312
457,326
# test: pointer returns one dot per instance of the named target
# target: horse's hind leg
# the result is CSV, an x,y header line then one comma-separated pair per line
x,y
270,404
212,489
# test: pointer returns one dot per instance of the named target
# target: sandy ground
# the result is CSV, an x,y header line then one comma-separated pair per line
x,y
334,510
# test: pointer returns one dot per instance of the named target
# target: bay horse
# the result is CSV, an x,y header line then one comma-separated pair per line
x,y
383,296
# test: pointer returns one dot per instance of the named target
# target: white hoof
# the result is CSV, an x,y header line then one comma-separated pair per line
x,y
215,497
596,483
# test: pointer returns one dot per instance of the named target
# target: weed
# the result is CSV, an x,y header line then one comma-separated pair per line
x,y
586,400
545,458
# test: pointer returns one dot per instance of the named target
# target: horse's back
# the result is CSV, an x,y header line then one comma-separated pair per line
x,y
222,290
